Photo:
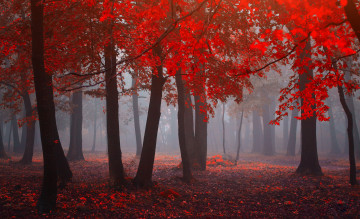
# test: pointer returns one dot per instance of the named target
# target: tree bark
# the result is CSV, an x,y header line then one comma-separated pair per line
x,y
285,131
257,132
223,127
350,103
353,17
201,128
94,133
23,136
8,134
291,146
192,147
116,169
53,154
75,152
30,134
334,143
3,154
143,176
350,120
239,137
268,147
15,130
187,176
135,100
309,163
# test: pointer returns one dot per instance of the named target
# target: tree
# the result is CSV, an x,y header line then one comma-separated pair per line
x,y
30,133
143,176
309,163
334,143
116,169
75,148
3,154
223,127
187,176
257,132
135,102
54,158
291,145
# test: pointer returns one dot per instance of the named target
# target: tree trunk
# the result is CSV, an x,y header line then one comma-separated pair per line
x,y
192,147
285,131
353,17
143,176
291,146
309,163
268,148
239,137
94,133
135,100
116,169
201,128
23,136
257,133
187,176
8,134
334,144
272,127
3,154
350,103
30,134
223,127
75,148
52,151
350,136
15,130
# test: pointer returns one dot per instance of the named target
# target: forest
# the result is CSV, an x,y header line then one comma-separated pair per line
x,y
179,108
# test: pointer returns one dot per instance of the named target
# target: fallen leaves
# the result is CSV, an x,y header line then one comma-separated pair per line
x,y
255,187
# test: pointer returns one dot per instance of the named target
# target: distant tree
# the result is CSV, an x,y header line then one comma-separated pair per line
x,y
135,101
186,165
291,144
75,152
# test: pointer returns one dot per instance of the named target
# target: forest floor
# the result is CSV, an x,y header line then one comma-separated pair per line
x,y
257,186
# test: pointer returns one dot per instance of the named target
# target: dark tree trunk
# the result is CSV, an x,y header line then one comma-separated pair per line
x,y
268,147
257,133
223,127
239,137
23,136
291,146
192,147
187,176
15,130
350,136
75,152
285,131
53,154
3,154
30,134
334,144
143,176
94,133
135,100
309,163
201,128
353,17
350,103
8,134
272,127
116,169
